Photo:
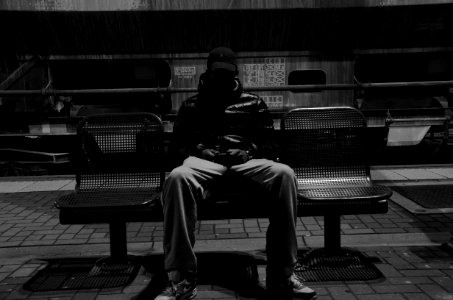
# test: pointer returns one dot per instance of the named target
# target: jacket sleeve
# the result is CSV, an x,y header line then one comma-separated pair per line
x,y
264,140
184,134
252,120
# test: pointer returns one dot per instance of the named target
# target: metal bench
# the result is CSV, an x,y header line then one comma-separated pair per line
x,y
121,169
119,172
326,147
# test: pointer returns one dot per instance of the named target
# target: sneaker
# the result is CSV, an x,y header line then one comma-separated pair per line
x,y
289,288
184,290
300,290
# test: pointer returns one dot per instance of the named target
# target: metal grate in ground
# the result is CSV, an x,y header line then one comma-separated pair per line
x,y
344,265
81,273
428,196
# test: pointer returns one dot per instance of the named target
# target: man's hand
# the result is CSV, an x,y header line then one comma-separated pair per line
x,y
209,154
238,154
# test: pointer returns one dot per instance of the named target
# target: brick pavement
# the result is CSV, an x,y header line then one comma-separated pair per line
x,y
30,219
413,251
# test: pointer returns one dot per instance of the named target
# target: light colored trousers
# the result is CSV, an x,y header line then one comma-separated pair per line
x,y
187,183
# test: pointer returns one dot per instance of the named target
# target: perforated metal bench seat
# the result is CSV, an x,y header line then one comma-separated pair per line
x,y
119,174
115,198
105,206
344,200
327,149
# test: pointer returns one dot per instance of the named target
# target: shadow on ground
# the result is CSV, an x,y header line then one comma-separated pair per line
x,y
229,272
234,271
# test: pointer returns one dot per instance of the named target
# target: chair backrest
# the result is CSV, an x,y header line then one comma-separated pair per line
x,y
325,145
120,150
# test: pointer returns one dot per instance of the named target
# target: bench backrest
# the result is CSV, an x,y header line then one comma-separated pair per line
x,y
325,145
120,150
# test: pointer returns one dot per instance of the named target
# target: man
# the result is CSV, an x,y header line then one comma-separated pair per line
x,y
223,129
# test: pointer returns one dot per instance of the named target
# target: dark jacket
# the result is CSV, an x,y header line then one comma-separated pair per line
x,y
244,124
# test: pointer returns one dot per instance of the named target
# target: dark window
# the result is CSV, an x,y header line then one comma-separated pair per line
x,y
115,74
307,77
404,67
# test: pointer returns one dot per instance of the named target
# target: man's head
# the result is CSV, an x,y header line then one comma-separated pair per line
x,y
221,72
222,58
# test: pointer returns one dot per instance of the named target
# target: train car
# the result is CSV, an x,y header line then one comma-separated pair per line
x,y
61,60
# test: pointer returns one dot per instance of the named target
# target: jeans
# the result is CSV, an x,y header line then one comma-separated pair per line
x,y
187,183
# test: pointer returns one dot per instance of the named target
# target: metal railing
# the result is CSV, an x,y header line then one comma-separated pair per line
x,y
298,88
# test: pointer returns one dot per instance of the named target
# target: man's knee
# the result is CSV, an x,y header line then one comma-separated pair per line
x,y
178,178
282,171
178,181
179,174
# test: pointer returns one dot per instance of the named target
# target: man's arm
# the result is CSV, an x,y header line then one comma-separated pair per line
x,y
189,138
183,136
266,146
252,120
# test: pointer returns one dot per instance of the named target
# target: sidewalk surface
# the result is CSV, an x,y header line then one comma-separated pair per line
x,y
410,245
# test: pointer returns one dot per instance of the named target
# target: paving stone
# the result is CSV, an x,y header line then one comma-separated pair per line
x,y
308,220
14,280
389,271
417,296
34,237
313,227
9,268
214,222
360,289
399,263
435,291
74,229
417,273
85,296
11,244
50,237
232,225
358,231
111,297
23,272
9,288
257,234
232,236
410,280
342,292
81,236
396,288
105,240
324,298
207,236
11,232
38,243
445,282
19,294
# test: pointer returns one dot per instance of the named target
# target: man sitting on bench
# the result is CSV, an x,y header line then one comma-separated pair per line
x,y
225,130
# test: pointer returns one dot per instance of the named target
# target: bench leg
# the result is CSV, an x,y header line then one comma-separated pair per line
x,y
332,234
333,263
118,241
